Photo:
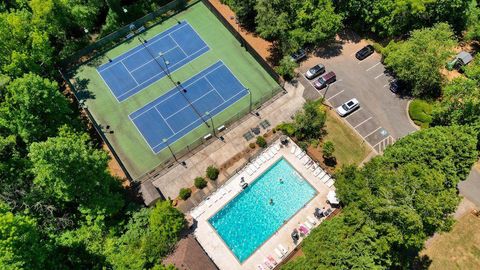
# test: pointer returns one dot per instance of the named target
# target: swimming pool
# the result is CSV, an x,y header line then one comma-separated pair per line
x,y
249,219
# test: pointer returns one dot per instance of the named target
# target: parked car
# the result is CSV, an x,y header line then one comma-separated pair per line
x,y
298,55
364,52
315,71
325,79
348,107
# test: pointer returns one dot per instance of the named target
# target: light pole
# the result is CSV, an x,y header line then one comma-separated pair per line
x,y
326,90
165,141
211,120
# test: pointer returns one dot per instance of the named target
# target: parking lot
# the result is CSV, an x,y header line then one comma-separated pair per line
x,y
382,116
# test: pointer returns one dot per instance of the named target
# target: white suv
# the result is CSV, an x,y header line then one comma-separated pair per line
x,y
348,107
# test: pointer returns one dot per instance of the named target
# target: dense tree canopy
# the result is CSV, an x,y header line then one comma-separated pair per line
x,y
295,24
398,17
393,203
418,60
33,108
68,170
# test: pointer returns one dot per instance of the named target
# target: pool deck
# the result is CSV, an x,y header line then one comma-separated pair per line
x,y
212,242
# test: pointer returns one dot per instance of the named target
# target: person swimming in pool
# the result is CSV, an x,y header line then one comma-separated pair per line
x,y
271,201
280,180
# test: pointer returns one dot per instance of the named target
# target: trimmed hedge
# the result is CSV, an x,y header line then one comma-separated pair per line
x,y
420,112
261,141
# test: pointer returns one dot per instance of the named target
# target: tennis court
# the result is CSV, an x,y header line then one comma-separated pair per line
x,y
149,62
184,108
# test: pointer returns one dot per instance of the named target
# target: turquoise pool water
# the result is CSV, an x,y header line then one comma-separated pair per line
x,y
249,219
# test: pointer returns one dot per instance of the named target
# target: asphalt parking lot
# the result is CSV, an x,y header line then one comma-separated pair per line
x,y
382,116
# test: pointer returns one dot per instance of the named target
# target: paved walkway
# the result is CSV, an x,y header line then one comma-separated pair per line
x,y
470,188
219,152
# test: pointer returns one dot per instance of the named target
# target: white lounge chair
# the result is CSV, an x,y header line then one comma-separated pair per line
x,y
330,182
267,263
311,220
272,151
283,249
325,178
262,158
306,160
298,151
322,174
314,167
249,171
302,154
277,146
309,164
260,267
317,171
278,253
254,164
292,150
309,225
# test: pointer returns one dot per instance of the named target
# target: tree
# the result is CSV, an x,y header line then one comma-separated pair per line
x,y
419,59
21,244
149,236
389,18
69,170
286,68
212,172
33,108
310,122
459,104
328,149
393,203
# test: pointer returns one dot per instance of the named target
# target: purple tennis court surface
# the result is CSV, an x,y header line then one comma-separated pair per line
x,y
176,113
145,64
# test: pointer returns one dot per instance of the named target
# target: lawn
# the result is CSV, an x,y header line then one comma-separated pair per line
x,y
349,147
420,112
457,249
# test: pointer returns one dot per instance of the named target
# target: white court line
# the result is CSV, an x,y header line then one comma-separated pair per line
x,y
129,73
373,66
386,85
372,132
379,76
142,65
125,56
164,120
196,121
185,86
160,74
188,105
214,88
335,95
108,86
178,45
359,109
363,122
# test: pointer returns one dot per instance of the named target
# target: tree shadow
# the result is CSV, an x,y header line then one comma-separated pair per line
x,y
422,263
330,162
275,54
349,36
329,50
81,87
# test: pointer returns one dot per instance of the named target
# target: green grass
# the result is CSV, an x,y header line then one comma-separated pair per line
x,y
349,147
420,112
126,140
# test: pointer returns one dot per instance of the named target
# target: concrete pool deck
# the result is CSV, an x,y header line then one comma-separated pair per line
x,y
213,244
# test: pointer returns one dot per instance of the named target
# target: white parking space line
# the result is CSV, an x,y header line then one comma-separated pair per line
x,y
372,132
335,95
372,67
363,122
353,113
386,85
381,74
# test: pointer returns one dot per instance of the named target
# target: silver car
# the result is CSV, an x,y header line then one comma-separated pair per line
x,y
348,107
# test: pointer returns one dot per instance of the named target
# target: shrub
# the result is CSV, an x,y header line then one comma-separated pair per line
x,y
287,128
212,173
315,143
303,145
420,112
252,145
328,149
200,182
261,141
286,68
185,193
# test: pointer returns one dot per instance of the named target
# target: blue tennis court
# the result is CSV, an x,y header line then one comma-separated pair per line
x,y
171,116
143,65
